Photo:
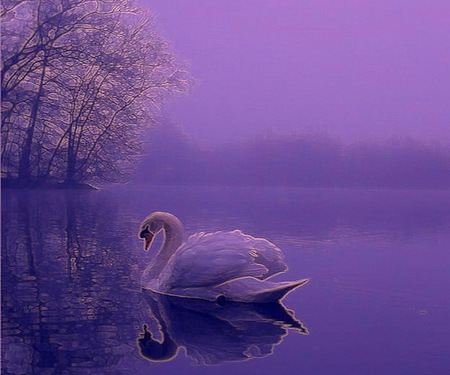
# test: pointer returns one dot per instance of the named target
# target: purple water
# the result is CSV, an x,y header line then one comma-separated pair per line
x,y
377,301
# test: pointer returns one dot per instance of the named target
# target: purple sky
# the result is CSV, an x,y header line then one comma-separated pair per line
x,y
351,68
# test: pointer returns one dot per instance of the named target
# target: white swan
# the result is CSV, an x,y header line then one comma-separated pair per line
x,y
215,266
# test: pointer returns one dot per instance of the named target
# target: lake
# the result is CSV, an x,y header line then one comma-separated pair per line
x,y
377,301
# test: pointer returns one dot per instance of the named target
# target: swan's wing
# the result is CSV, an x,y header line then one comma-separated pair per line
x,y
210,259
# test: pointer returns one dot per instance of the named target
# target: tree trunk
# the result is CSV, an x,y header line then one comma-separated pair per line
x,y
25,157
70,171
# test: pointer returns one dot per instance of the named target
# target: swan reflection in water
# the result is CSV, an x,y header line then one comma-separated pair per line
x,y
213,333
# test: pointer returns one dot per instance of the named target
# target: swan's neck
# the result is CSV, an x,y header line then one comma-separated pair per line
x,y
173,238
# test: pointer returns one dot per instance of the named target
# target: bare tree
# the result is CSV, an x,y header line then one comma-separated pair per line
x,y
81,80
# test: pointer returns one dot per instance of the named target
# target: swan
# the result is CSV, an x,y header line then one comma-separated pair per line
x,y
219,266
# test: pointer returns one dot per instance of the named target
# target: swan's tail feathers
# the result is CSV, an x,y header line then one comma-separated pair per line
x,y
278,291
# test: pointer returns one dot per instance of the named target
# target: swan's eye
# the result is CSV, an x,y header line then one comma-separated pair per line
x,y
144,232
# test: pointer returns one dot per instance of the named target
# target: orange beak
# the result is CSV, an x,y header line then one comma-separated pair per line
x,y
148,239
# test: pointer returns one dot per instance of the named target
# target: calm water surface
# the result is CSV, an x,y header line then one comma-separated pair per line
x,y
377,302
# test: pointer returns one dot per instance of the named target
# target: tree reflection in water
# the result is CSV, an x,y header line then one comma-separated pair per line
x,y
68,278
214,333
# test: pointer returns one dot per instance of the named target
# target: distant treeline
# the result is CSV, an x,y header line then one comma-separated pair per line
x,y
296,160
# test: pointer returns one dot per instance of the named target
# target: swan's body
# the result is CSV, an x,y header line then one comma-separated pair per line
x,y
220,265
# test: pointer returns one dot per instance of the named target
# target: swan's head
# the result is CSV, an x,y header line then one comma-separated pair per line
x,y
155,223
150,227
